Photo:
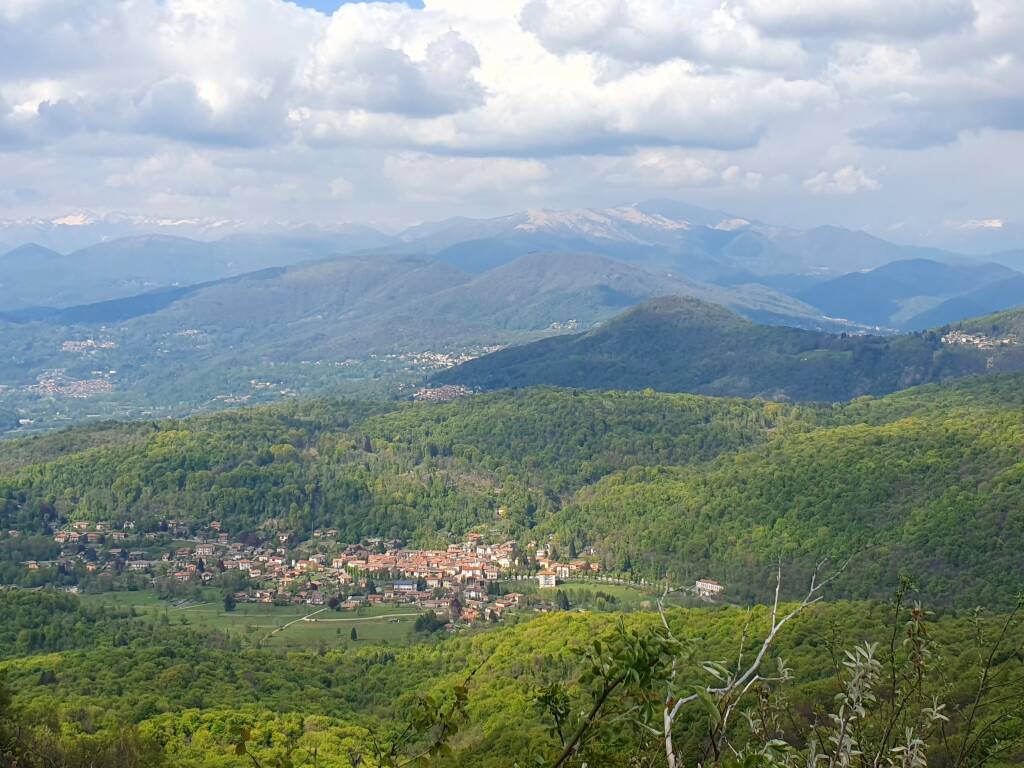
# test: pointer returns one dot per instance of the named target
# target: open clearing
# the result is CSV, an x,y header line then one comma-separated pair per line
x,y
289,626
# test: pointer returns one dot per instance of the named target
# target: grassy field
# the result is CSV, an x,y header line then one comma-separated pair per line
x,y
291,626
304,627
629,598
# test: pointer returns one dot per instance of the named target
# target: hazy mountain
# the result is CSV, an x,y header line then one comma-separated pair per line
x,y
313,325
27,255
693,243
994,297
81,229
308,308
699,243
34,276
629,233
120,310
360,303
685,345
1014,259
184,320
835,249
904,294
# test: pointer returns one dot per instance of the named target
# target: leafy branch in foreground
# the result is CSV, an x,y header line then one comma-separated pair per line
x,y
888,710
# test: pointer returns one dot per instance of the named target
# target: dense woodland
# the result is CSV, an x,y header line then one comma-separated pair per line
x,y
666,486
923,485
122,691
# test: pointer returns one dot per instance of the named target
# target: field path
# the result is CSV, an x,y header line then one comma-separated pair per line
x,y
369,618
186,606
296,621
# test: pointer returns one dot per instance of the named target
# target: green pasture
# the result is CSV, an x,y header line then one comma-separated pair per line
x,y
289,626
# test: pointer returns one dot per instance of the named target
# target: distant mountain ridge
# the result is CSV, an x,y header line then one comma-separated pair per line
x,y
684,345
703,244
408,300
698,244
317,324
34,276
186,320
81,229
917,294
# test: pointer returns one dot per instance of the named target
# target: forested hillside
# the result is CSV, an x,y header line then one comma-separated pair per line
x,y
684,345
370,469
156,692
662,485
928,484
364,322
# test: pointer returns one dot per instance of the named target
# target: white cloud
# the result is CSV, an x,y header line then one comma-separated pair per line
x,y
839,18
377,58
750,180
708,31
429,178
341,188
847,180
541,97
677,169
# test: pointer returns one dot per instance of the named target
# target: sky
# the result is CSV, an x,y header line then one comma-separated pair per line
x,y
901,117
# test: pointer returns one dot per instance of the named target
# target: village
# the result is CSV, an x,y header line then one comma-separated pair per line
x,y
469,581
979,340
56,382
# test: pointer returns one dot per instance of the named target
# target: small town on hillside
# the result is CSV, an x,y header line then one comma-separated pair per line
x,y
472,580
979,340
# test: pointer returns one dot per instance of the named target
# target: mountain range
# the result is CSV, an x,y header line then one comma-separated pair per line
x,y
81,229
176,322
34,276
700,244
312,324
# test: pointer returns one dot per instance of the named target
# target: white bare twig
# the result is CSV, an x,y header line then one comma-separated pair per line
x,y
743,679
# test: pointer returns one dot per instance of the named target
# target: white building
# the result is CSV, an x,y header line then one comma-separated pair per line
x,y
708,587
546,579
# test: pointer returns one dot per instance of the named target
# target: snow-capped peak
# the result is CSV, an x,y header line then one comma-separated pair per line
x,y
731,225
624,224
79,219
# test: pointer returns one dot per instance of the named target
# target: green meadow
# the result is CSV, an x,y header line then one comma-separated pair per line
x,y
290,626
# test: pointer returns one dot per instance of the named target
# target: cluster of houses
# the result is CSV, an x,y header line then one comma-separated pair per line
x,y
459,580
441,394
979,340
86,345
56,382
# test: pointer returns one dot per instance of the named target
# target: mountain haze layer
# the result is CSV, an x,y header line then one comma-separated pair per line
x,y
917,294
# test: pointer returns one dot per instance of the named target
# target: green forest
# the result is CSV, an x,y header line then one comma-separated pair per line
x,y
662,485
926,481
110,689
912,500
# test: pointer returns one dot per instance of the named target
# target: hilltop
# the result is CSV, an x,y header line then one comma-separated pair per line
x,y
677,344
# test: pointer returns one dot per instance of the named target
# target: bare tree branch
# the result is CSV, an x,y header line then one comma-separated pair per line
x,y
742,679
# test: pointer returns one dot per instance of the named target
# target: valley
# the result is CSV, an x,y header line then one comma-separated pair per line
x,y
519,384
300,578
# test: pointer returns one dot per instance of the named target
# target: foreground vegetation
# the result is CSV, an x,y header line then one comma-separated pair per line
x,y
668,488
114,689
